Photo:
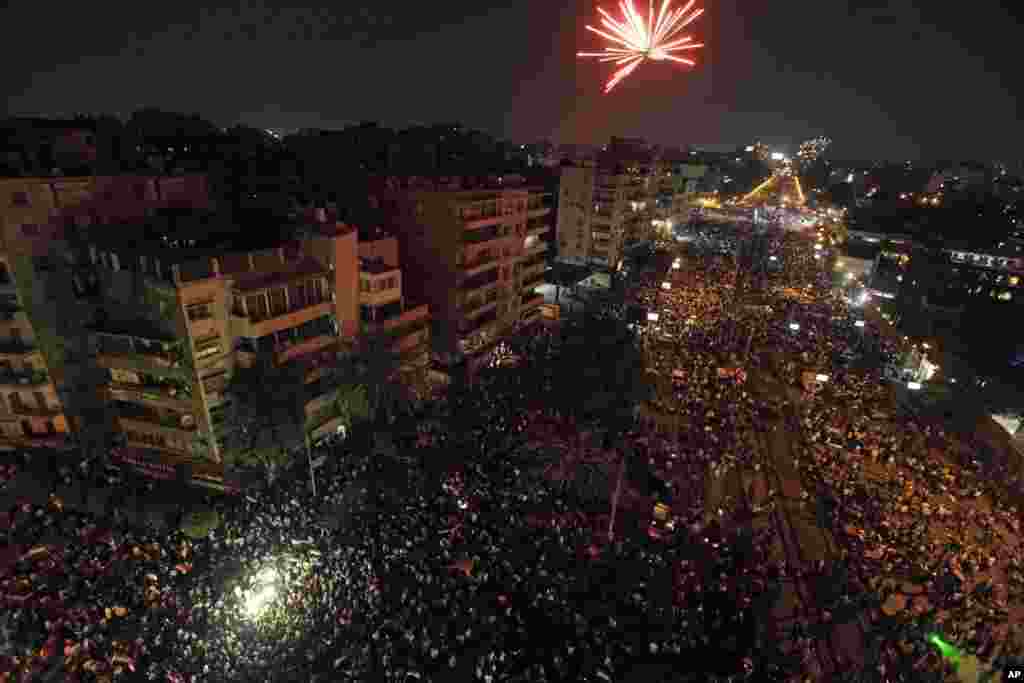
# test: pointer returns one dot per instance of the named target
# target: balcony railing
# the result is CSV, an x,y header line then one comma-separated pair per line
x,y
477,282
153,419
475,304
48,410
534,281
31,377
261,316
537,227
479,264
538,248
167,394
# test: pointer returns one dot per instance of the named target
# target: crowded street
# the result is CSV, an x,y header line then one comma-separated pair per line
x,y
494,536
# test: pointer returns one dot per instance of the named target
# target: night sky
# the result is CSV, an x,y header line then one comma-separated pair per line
x,y
887,79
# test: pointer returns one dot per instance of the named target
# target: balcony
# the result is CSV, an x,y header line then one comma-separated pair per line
x,y
538,248
258,325
48,410
162,395
163,364
380,296
532,270
151,421
50,440
410,321
472,309
305,347
537,228
23,377
480,281
480,264
478,219
535,281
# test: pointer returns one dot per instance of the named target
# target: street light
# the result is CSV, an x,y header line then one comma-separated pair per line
x,y
821,378
794,326
859,323
914,386
666,286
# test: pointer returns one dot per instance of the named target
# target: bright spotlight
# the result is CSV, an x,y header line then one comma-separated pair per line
x,y
794,326
262,594
773,258
652,317
914,386
821,378
666,286
859,323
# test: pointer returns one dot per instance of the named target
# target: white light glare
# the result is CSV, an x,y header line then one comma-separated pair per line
x,y
264,592
652,317
913,386
859,323
821,377
666,286
794,326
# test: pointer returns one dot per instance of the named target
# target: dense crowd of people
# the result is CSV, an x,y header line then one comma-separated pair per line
x,y
469,539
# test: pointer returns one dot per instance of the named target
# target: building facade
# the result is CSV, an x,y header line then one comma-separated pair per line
x,y
476,253
35,215
173,324
602,209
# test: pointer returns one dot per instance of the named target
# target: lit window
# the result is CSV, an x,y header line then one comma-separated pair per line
x,y
1014,280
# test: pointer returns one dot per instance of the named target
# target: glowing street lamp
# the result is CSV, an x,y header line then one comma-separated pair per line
x,y
821,378
666,286
859,323
914,386
795,327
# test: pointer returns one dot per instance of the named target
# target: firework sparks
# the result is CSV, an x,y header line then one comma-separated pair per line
x,y
634,40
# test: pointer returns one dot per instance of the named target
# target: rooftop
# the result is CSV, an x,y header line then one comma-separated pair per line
x,y
303,268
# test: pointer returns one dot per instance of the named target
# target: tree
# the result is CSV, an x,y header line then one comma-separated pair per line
x,y
266,413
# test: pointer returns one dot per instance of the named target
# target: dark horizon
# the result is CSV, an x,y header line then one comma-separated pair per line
x,y
885,81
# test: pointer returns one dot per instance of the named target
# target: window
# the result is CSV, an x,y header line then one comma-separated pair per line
x,y
30,230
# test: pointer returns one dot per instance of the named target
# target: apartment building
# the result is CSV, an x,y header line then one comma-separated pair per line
x,y
173,322
604,208
476,252
390,313
35,214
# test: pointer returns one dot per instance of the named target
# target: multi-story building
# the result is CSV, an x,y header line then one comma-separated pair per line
x,y
174,321
603,208
390,315
476,252
35,214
